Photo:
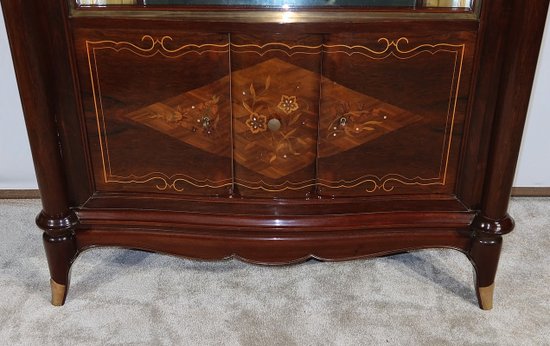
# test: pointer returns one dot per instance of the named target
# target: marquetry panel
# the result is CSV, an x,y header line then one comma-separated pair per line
x,y
392,113
276,116
155,121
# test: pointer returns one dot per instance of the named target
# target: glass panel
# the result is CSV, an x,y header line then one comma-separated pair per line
x,y
288,3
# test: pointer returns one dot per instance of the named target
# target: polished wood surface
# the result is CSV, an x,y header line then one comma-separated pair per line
x,y
210,136
326,113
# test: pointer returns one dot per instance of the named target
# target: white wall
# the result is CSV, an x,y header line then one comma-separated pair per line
x,y
534,163
16,170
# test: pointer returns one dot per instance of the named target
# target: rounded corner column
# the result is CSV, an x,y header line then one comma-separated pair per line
x,y
508,120
34,41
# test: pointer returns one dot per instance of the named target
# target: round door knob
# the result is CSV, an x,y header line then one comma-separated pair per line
x,y
274,124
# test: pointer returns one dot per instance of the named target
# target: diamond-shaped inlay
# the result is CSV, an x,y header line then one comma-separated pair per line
x,y
266,91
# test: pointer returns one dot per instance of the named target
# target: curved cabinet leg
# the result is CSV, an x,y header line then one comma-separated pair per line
x,y
61,252
484,254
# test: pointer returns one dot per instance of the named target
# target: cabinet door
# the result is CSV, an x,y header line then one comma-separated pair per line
x,y
157,110
275,88
392,112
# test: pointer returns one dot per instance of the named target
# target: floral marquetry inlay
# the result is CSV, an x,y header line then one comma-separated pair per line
x,y
257,122
280,116
199,118
204,116
288,104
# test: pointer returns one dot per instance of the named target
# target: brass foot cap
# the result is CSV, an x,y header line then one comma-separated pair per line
x,y
486,297
58,293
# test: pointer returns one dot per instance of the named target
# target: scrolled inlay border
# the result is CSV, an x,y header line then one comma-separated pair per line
x,y
161,181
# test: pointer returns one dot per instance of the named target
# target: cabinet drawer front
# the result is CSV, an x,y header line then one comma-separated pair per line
x,y
157,108
392,112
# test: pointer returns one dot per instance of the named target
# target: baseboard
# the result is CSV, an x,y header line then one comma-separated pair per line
x,y
516,192
531,191
19,194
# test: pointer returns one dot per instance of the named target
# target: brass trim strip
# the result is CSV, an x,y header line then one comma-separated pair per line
x,y
440,3
266,16
107,2
427,3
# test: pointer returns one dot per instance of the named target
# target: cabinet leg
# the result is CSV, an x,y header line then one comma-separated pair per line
x,y
61,252
484,254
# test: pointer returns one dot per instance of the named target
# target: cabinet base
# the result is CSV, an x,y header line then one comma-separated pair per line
x,y
361,236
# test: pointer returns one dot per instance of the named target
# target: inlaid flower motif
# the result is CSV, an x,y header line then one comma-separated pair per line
x,y
288,104
257,122
203,115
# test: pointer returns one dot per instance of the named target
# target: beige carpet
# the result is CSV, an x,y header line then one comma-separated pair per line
x,y
422,298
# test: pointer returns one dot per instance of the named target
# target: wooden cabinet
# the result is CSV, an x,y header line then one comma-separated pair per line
x,y
275,131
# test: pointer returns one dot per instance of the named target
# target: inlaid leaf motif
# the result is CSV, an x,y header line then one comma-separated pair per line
x,y
259,104
247,107
295,118
290,133
301,141
353,122
291,149
252,91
